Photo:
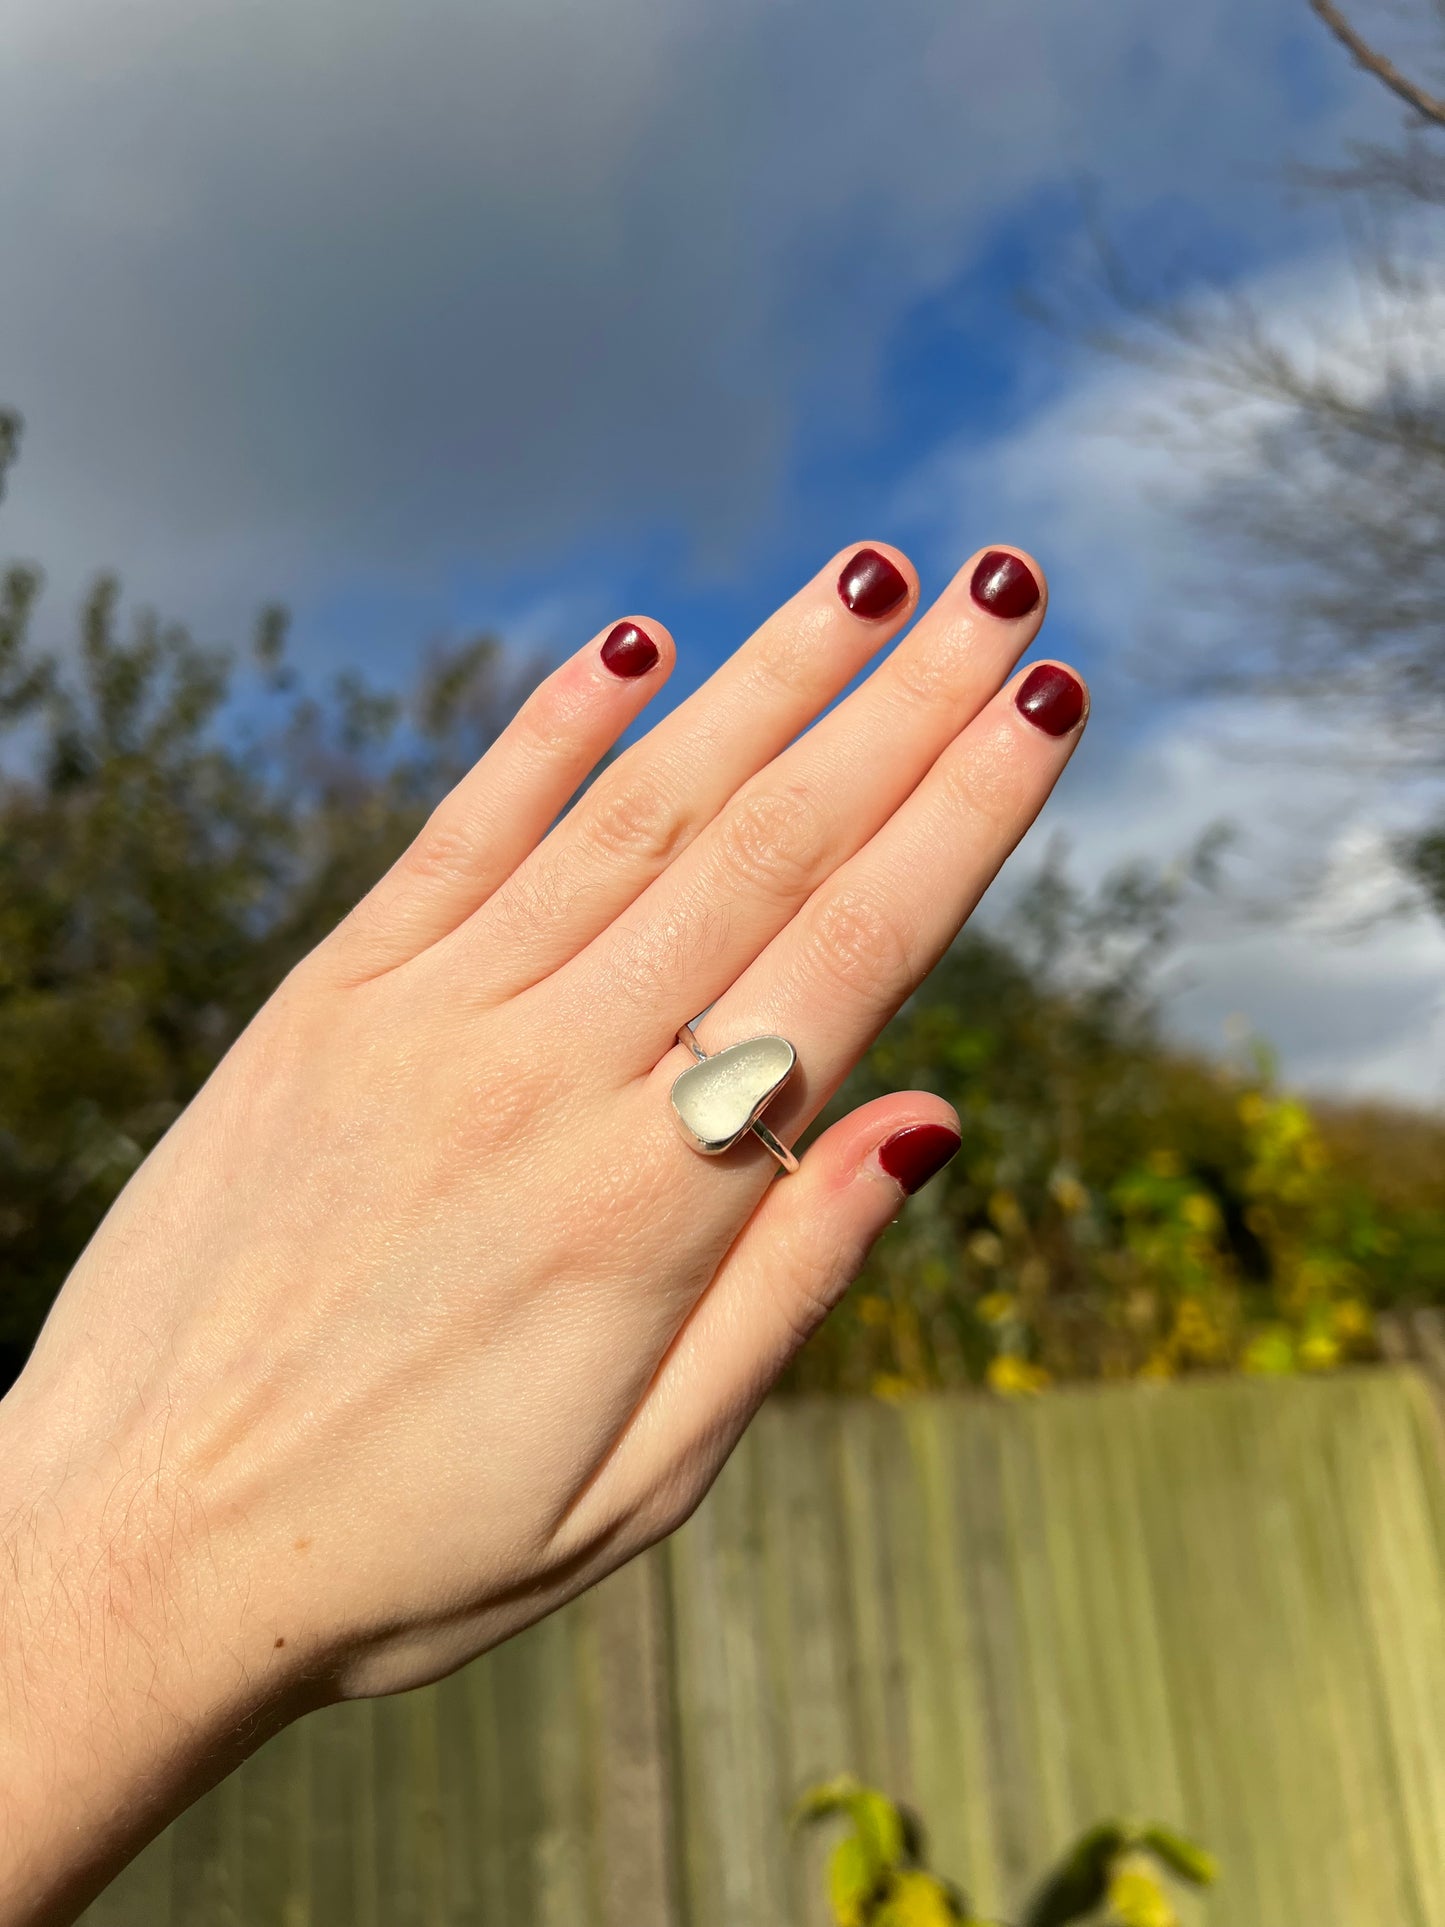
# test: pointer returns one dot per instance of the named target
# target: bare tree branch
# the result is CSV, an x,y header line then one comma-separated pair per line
x,y
1429,106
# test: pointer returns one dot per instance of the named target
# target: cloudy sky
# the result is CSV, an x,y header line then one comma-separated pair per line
x,y
517,313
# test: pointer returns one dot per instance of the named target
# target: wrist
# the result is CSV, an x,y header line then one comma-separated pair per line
x,y
126,1683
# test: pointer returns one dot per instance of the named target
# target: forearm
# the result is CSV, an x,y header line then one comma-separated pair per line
x,y
118,1704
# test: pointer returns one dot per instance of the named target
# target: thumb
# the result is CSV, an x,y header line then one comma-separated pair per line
x,y
793,1261
809,1240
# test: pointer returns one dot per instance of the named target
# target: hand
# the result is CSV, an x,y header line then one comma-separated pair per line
x,y
424,1316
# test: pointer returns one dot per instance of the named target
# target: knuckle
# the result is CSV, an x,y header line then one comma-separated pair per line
x,y
856,940
491,1119
978,795
444,851
927,677
813,1273
774,841
368,922
534,731
788,667
532,900
634,818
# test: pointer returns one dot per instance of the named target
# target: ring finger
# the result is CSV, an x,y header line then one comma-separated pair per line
x,y
867,938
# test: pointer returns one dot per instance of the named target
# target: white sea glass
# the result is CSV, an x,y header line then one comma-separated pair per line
x,y
723,1096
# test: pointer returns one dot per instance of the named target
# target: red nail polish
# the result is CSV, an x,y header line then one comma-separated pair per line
x,y
871,586
917,1153
1004,586
629,651
1051,698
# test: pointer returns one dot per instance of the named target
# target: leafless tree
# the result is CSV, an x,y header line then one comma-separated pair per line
x,y
1325,438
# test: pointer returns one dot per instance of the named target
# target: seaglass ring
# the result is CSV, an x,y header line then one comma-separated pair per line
x,y
719,1099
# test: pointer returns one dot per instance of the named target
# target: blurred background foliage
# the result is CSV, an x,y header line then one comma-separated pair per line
x,y
178,826
1122,1208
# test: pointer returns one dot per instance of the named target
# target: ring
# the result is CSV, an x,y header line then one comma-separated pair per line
x,y
719,1099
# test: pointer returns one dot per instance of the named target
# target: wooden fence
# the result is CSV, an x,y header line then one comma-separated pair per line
x,y
1221,1605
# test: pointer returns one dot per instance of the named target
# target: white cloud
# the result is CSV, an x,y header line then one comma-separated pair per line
x,y
1300,947
1307,955
299,291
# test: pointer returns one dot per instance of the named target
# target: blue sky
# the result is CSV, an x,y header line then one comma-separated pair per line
x,y
520,315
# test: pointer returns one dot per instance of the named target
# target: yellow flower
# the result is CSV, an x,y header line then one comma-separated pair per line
x,y
890,1387
986,1248
1352,1321
1069,1195
1195,1331
1319,1352
1015,1377
1270,1353
1003,1208
996,1307
1200,1212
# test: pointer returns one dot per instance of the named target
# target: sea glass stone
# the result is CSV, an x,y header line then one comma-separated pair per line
x,y
719,1099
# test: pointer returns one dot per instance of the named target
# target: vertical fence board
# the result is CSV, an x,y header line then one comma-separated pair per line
x,y
490,1851
630,1756
398,1874
980,1530
804,1588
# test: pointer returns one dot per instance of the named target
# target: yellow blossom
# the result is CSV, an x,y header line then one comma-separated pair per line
x,y
1014,1377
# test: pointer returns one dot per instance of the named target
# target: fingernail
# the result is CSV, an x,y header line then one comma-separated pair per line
x,y
629,651
917,1153
1004,586
871,586
1051,698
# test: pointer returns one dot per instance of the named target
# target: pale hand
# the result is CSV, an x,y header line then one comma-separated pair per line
x,y
424,1316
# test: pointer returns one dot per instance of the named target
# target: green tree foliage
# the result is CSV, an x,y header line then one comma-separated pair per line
x,y
1116,1874
177,828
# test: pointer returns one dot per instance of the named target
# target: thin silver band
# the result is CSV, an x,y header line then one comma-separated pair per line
x,y
759,1130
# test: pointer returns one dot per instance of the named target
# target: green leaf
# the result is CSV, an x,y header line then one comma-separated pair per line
x,y
917,1899
828,1797
881,1824
853,1880
876,1848
1136,1899
1184,1858
877,1823
1079,1884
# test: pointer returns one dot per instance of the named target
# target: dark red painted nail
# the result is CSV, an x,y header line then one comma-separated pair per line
x,y
1004,586
917,1153
1051,698
629,651
871,586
